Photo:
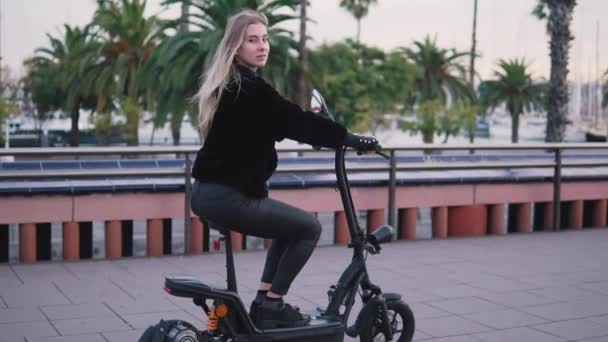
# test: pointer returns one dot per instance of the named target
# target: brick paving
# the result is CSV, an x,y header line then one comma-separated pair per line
x,y
521,287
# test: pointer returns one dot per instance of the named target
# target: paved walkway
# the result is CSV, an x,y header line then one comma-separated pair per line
x,y
536,287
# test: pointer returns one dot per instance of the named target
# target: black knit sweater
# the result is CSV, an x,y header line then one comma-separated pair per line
x,y
239,149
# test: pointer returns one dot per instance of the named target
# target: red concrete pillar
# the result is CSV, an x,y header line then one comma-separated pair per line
x,y
267,243
523,220
71,241
407,223
341,233
237,241
547,213
375,219
196,236
154,237
599,213
496,219
439,221
113,232
575,217
27,242
468,220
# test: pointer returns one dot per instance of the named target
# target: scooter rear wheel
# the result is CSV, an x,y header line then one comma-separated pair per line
x,y
402,323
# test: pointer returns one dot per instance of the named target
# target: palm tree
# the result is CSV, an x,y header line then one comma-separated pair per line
x,y
358,9
69,59
514,87
439,76
128,41
180,60
559,17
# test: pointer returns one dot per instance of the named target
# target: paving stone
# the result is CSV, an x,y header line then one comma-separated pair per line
x,y
11,332
123,336
574,329
461,338
8,278
505,319
596,339
466,305
517,334
144,305
448,326
564,293
423,310
419,335
568,310
90,325
42,272
33,295
518,299
86,291
142,321
75,338
457,291
17,315
57,312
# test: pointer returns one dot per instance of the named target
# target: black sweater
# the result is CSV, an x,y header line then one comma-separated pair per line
x,y
239,149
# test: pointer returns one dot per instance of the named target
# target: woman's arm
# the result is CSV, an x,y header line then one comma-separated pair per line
x,y
288,120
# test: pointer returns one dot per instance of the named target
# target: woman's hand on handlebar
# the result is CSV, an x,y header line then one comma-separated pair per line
x,y
362,144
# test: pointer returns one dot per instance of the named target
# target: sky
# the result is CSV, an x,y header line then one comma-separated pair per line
x,y
506,29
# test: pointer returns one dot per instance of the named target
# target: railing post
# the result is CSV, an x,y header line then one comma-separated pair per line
x,y
187,195
392,185
557,179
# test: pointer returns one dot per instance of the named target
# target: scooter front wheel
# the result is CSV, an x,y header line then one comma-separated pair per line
x,y
401,320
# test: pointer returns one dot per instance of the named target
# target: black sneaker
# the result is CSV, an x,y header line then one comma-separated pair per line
x,y
273,314
253,309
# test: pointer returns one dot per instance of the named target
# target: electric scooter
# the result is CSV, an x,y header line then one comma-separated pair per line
x,y
383,316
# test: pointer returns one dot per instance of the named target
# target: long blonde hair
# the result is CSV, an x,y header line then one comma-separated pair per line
x,y
222,69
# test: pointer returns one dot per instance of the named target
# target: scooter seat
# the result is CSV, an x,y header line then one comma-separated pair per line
x,y
186,286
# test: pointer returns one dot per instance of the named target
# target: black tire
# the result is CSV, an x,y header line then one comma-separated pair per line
x,y
172,331
402,322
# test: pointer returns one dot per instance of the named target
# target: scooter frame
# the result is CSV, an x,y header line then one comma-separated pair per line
x,y
331,322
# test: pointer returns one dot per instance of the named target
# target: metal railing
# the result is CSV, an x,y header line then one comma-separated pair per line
x,y
556,149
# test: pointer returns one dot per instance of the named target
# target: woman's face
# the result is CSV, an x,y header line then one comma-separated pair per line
x,y
254,50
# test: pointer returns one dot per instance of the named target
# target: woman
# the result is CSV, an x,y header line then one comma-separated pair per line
x,y
241,118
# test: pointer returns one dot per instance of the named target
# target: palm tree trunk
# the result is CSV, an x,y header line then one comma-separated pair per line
x,y
75,117
358,30
176,127
514,127
560,17
473,47
302,83
183,27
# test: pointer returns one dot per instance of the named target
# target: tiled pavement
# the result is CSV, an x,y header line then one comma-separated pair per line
x,y
535,287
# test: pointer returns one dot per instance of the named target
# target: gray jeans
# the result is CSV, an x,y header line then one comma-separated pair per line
x,y
294,232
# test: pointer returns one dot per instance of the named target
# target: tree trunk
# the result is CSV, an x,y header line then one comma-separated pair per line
x,y
515,127
75,117
132,114
302,96
473,48
560,17
176,126
358,30
427,136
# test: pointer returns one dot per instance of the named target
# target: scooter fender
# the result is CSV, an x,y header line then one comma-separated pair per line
x,y
369,312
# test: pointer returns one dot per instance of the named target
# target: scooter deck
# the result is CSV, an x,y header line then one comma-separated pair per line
x,y
319,329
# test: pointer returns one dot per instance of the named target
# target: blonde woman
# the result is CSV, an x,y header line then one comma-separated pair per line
x,y
241,118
